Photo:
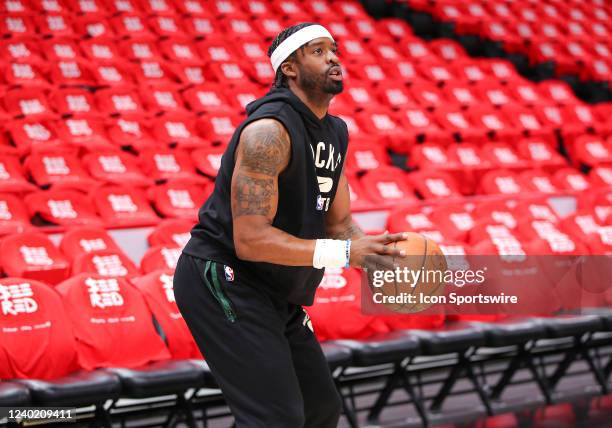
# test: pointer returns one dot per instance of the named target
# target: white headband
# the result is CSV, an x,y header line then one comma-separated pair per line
x,y
294,41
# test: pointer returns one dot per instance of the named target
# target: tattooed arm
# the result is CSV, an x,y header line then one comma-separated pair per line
x,y
263,153
339,222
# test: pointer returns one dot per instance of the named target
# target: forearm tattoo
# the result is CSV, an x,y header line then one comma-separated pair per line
x,y
351,231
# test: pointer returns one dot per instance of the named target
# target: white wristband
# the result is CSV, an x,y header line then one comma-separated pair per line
x,y
330,253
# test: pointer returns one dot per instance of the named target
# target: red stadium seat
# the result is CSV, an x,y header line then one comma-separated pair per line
x,y
58,170
29,103
339,298
204,98
454,221
121,206
156,288
432,184
429,156
140,50
395,95
92,300
162,99
160,258
419,127
14,217
154,73
128,133
190,74
601,241
388,187
83,132
580,224
397,29
114,75
15,26
73,102
549,239
218,127
131,26
591,150
124,102
85,240
385,125
240,96
176,199
526,93
527,121
409,219
503,155
48,352
359,200
171,232
74,72
363,156
60,49
537,209
166,26
177,130
12,177
62,208
457,122
54,25
26,74
165,164
100,51
21,50
570,179
494,212
460,93
500,182
208,160
495,123
558,91
537,181
540,153
427,95
109,263
115,167
601,176
447,49
32,255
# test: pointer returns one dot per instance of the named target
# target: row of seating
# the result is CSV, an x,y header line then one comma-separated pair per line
x,y
89,249
214,9
119,205
398,129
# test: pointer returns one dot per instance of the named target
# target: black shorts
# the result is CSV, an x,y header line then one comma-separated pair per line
x,y
261,351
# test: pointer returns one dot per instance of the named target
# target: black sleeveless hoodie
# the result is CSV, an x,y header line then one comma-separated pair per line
x,y
306,190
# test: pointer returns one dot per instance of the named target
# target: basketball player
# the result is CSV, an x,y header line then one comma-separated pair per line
x,y
278,216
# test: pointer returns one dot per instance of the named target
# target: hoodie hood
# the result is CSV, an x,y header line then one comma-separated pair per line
x,y
287,96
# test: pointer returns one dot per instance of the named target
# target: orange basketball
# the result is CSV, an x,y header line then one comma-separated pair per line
x,y
418,276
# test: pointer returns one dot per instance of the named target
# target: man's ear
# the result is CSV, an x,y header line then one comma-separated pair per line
x,y
289,68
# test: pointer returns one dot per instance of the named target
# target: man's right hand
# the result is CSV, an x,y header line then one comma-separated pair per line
x,y
373,251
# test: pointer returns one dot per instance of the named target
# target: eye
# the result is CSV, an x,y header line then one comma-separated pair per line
x,y
318,51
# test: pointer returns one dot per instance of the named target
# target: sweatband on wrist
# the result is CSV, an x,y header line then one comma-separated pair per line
x,y
296,40
329,253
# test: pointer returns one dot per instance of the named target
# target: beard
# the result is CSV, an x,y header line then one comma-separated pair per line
x,y
320,83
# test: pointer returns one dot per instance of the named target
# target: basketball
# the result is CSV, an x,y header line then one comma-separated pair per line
x,y
420,274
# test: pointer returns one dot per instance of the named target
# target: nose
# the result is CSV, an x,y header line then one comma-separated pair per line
x,y
332,57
